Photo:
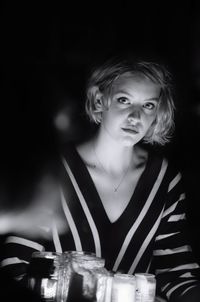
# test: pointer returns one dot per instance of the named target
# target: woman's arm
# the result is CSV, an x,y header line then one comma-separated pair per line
x,y
176,269
15,256
192,295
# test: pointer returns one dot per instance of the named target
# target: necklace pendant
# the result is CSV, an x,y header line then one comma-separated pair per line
x,y
100,164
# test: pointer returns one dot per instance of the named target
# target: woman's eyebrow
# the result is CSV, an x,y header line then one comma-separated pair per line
x,y
153,99
123,92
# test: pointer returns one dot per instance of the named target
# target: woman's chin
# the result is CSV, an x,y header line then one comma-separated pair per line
x,y
129,141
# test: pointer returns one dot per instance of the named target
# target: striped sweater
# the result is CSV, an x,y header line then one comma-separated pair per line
x,y
149,236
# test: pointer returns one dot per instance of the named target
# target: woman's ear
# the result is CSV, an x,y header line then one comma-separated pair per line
x,y
97,97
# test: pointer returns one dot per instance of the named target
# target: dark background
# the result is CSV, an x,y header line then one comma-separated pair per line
x,y
46,53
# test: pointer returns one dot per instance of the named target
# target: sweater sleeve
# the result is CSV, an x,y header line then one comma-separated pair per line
x,y
16,253
177,272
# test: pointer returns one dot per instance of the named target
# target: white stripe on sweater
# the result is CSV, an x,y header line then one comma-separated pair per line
x,y
85,209
71,223
168,294
161,237
56,239
177,268
184,292
181,249
12,260
177,217
172,207
187,275
174,182
26,242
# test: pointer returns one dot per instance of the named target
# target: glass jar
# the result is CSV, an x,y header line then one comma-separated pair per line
x,y
70,276
145,287
44,274
88,277
123,288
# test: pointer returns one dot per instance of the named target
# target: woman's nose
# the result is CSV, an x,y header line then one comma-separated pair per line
x,y
135,114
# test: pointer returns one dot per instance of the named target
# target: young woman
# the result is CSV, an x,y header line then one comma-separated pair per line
x,y
120,199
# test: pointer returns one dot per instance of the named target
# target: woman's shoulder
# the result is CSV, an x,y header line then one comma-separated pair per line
x,y
77,154
73,147
160,155
148,152
85,151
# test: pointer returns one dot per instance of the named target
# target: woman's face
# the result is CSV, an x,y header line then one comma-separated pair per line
x,y
133,106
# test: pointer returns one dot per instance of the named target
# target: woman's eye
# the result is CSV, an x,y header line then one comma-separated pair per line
x,y
123,100
149,106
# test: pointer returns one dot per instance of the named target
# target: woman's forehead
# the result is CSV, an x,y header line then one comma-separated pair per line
x,y
134,81
136,77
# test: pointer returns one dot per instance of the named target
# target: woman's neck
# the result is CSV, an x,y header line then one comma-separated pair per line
x,y
112,155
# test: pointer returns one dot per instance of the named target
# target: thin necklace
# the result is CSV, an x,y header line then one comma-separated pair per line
x,y
123,176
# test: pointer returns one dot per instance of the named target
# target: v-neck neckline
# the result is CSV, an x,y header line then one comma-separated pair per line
x,y
83,177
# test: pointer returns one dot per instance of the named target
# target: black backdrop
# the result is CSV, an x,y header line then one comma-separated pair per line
x,y
46,52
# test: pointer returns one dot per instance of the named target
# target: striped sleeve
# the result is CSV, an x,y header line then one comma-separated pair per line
x,y
176,270
15,255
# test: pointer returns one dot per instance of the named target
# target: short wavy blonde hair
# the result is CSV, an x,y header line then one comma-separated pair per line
x,y
105,76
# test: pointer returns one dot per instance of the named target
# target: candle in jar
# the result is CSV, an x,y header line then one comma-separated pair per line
x,y
108,291
123,288
145,287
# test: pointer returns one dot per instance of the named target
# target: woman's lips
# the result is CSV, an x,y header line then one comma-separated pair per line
x,y
131,130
